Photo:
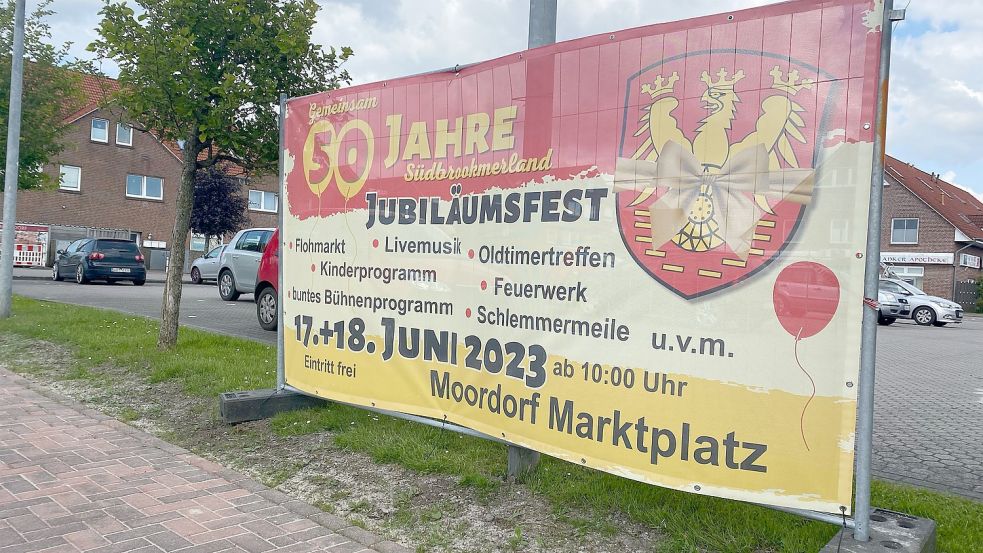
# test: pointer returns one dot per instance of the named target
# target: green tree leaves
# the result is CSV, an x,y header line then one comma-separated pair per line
x,y
217,68
52,91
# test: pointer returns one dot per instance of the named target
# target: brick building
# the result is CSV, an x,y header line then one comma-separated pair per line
x,y
114,181
931,232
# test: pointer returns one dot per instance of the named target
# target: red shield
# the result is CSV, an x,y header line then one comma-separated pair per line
x,y
714,104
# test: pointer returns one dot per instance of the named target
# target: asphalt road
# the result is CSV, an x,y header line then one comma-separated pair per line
x,y
928,405
201,307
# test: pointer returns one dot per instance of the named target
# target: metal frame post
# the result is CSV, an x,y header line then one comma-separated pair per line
x,y
281,378
868,336
542,31
542,23
13,163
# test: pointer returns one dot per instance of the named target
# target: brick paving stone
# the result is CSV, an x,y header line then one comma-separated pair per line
x,y
75,480
928,406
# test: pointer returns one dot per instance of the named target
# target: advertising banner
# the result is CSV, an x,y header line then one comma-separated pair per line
x,y
617,250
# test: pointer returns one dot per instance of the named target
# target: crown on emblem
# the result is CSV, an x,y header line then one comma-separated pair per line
x,y
722,81
792,84
662,85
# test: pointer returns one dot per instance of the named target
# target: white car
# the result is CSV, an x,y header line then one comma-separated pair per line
x,y
923,308
239,262
206,267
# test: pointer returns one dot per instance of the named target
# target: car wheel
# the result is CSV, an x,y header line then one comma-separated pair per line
x,y
882,320
227,286
195,275
80,275
923,316
55,275
266,309
139,282
939,323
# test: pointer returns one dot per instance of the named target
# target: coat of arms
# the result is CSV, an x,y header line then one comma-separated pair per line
x,y
712,183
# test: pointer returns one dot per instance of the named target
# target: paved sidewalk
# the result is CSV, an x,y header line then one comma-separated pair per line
x,y
72,479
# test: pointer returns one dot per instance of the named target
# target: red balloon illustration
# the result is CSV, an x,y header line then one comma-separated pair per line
x,y
805,298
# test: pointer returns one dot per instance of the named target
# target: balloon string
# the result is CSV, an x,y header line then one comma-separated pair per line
x,y
811,381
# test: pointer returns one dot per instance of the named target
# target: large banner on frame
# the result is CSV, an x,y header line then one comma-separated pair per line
x,y
642,252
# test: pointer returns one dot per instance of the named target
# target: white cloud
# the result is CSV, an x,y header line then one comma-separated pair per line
x,y
936,86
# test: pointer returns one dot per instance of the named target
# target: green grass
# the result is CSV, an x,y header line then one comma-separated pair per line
x,y
205,364
129,414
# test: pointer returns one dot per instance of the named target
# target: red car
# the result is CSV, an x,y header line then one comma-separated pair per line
x,y
267,279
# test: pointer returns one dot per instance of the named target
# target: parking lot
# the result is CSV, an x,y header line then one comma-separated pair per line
x,y
929,400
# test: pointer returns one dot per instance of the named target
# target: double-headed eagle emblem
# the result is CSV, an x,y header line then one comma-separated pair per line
x,y
715,190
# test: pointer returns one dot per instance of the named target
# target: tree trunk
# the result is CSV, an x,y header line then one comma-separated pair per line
x,y
171,305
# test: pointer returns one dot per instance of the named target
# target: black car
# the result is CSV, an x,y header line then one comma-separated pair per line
x,y
100,259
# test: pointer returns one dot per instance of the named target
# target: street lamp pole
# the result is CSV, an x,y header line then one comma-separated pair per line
x,y
13,162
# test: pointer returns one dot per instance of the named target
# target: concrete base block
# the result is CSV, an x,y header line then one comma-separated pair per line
x,y
251,405
521,461
889,531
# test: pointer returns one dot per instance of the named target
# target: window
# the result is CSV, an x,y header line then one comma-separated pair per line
x,y
135,238
260,200
139,186
911,275
124,135
254,240
71,177
100,130
74,246
197,242
904,231
969,260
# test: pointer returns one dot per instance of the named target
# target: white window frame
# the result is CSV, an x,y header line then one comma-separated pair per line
x,y
917,226
263,194
913,275
969,260
199,240
143,187
92,129
120,126
78,181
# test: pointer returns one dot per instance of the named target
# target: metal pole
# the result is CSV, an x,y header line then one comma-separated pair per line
x,y
281,378
868,336
414,418
542,31
13,162
542,23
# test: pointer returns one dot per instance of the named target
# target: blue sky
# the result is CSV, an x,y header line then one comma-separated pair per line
x,y
936,98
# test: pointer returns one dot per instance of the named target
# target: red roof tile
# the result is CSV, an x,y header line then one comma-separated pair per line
x,y
958,206
96,89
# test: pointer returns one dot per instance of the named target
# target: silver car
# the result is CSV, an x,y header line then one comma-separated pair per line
x,y
891,307
923,308
239,262
206,267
